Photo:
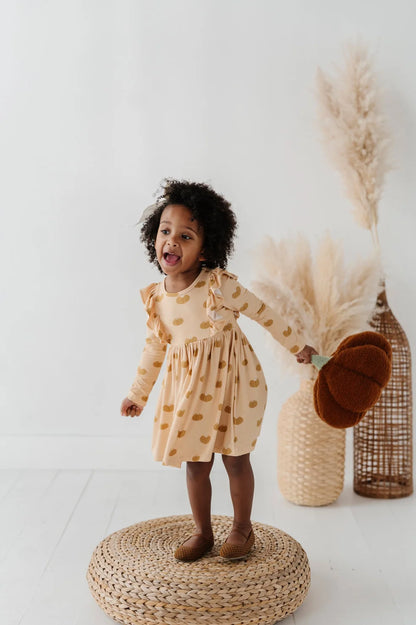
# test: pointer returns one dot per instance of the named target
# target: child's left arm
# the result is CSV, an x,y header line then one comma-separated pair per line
x,y
244,301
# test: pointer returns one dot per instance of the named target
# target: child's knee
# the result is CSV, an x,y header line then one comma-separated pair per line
x,y
199,469
235,464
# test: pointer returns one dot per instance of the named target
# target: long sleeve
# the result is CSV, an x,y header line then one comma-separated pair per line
x,y
241,300
148,370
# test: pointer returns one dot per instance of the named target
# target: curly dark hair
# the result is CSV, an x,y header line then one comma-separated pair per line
x,y
210,210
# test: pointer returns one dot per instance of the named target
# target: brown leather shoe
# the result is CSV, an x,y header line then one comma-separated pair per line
x,y
229,551
189,554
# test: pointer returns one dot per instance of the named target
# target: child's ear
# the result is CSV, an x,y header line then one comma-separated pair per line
x,y
202,255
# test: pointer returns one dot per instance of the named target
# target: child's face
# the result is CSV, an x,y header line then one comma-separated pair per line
x,y
179,241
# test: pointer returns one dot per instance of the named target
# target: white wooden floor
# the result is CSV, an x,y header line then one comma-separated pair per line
x,y
362,552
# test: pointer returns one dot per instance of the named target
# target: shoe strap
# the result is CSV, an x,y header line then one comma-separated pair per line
x,y
202,536
240,532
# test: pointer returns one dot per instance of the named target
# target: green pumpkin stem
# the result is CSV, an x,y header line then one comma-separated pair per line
x,y
319,361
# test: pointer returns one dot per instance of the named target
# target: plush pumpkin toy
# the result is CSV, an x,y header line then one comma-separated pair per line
x,y
351,381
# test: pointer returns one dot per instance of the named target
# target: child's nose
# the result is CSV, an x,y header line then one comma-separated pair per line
x,y
172,240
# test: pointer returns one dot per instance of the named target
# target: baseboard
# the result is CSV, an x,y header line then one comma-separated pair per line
x,y
76,452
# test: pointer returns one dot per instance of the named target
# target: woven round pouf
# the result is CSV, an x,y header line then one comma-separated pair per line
x,y
135,578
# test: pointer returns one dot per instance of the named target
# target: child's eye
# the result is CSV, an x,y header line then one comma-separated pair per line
x,y
185,236
165,231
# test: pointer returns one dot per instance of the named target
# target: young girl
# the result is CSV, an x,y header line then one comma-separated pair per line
x,y
213,395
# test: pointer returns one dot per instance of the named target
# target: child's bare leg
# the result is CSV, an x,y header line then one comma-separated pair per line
x,y
241,478
199,491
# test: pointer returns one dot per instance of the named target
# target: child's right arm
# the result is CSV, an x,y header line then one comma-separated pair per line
x,y
148,370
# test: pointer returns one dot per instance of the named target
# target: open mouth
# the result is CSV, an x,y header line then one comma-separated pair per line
x,y
171,259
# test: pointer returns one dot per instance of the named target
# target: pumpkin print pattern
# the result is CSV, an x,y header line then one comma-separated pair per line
x,y
213,394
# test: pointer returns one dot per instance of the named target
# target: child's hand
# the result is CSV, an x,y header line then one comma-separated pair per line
x,y
130,409
305,355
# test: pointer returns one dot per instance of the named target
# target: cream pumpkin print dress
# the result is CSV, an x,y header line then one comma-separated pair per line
x,y
214,393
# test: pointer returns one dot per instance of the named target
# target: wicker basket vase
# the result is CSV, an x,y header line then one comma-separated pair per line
x,y
310,453
383,438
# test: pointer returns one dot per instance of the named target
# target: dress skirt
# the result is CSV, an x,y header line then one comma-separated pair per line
x,y
212,400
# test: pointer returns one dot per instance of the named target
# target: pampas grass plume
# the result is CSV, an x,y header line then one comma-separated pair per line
x,y
324,300
354,132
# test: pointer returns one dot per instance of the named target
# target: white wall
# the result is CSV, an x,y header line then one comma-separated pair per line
x,y
102,99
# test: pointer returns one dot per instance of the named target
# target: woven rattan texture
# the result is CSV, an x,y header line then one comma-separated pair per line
x,y
310,453
383,438
135,578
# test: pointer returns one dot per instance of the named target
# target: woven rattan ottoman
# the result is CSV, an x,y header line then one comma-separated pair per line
x,y
135,578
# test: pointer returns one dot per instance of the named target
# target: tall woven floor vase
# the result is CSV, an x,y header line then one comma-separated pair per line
x,y
383,438
310,453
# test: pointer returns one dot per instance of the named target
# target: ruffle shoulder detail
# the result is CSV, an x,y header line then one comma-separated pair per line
x,y
217,274
147,293
216,301
149,296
